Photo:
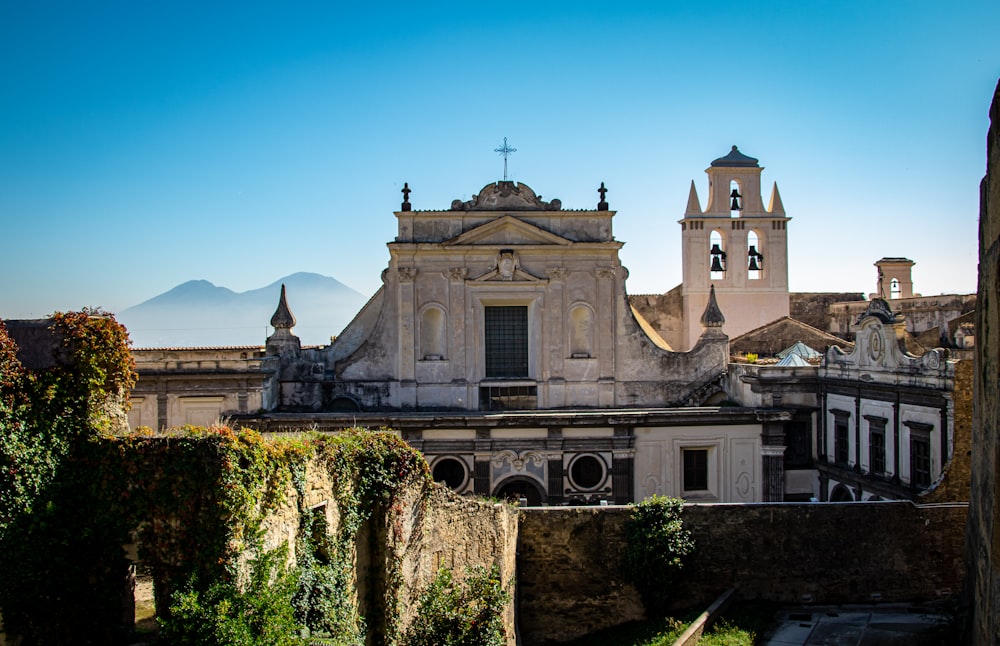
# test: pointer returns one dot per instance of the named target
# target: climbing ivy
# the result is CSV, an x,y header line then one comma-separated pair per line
x,y
656,546
75,489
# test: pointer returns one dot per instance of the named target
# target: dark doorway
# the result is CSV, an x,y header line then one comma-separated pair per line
x,y
516,488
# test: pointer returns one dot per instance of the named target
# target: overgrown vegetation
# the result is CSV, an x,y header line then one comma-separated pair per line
x,y
73,493
656,545
462,613
52,554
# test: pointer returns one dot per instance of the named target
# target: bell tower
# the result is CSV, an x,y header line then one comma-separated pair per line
x,y
736,245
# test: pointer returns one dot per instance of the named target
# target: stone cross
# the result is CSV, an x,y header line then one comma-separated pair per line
x,y
406,196
602,205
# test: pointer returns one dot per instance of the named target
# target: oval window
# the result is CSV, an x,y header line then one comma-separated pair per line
x,y
450,471
587,472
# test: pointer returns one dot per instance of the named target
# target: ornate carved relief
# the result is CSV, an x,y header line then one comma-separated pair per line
x,y
407,274
605,273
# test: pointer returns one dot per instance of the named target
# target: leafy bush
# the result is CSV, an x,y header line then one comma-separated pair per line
x,y
657,543
225,615
468,613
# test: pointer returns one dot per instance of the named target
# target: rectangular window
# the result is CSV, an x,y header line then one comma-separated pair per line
x,y
841,443
798,440
876,445
920,460
506,342
695,469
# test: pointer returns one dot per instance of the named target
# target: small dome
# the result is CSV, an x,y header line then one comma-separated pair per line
x,y
735,158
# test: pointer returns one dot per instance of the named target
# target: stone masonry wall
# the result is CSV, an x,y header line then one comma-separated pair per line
x,y
983,543
569,582
431,527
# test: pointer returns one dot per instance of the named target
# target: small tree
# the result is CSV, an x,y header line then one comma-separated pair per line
x,y
657,544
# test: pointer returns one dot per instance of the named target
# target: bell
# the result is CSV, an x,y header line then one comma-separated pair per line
x,y
756,259
717,264
735,206
753,264
716,251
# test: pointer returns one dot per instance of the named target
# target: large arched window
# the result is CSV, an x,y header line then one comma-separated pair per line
x,y
717,256
755,259
432,334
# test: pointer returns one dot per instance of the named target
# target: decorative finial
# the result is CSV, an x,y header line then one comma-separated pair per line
x,y
506,151
602,205
283,318
712,317
406,197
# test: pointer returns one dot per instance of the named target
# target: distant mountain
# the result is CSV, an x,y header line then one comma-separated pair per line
x,y
200,314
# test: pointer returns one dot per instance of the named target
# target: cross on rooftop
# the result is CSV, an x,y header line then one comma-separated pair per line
x,y
505,150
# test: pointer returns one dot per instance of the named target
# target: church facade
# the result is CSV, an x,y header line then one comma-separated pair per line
x,y
503,345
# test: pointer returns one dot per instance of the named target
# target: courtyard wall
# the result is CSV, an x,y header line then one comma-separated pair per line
x,y
570,584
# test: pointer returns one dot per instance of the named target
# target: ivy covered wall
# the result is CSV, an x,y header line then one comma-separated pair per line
x,y
249,539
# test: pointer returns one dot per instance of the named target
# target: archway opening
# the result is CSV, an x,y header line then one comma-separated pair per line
x,y
515,489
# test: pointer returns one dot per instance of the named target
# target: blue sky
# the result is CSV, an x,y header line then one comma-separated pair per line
x,y
143,144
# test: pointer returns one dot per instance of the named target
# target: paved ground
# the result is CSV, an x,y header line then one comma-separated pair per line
x,y
882,625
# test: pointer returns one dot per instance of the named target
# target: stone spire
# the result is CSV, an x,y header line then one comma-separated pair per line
x,y
283,318
694,204
776,207
712,318
282,342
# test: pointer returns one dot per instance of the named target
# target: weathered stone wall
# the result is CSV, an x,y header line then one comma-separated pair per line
x,y
431,527
983,544
665,312
813,308
569,582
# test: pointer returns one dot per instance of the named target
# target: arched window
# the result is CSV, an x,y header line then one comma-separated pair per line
x,y
735,199
717,256
432,334
894,290
755,259
581,320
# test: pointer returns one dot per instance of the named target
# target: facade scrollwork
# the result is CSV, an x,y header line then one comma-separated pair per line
x,y
407,274
605,273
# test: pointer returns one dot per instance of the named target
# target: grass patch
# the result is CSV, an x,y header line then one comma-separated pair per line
x,y
741,625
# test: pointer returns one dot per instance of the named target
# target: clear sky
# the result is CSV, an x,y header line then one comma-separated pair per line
x,y
144,144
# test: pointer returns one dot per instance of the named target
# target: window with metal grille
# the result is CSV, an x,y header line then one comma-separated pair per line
x,y
506,342
876,446
798,440
841,443
695,469
920,460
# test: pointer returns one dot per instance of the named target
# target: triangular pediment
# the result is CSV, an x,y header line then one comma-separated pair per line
x,y
508,230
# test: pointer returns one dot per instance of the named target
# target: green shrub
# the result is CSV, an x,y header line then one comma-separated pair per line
x,y
656,545
469,613
225,615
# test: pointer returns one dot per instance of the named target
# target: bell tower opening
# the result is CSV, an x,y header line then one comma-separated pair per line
x,y
735,199
717,270
755,259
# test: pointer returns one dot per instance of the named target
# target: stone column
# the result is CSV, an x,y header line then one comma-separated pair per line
x,y
605,341
481,466
772,451
623,465
406,343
